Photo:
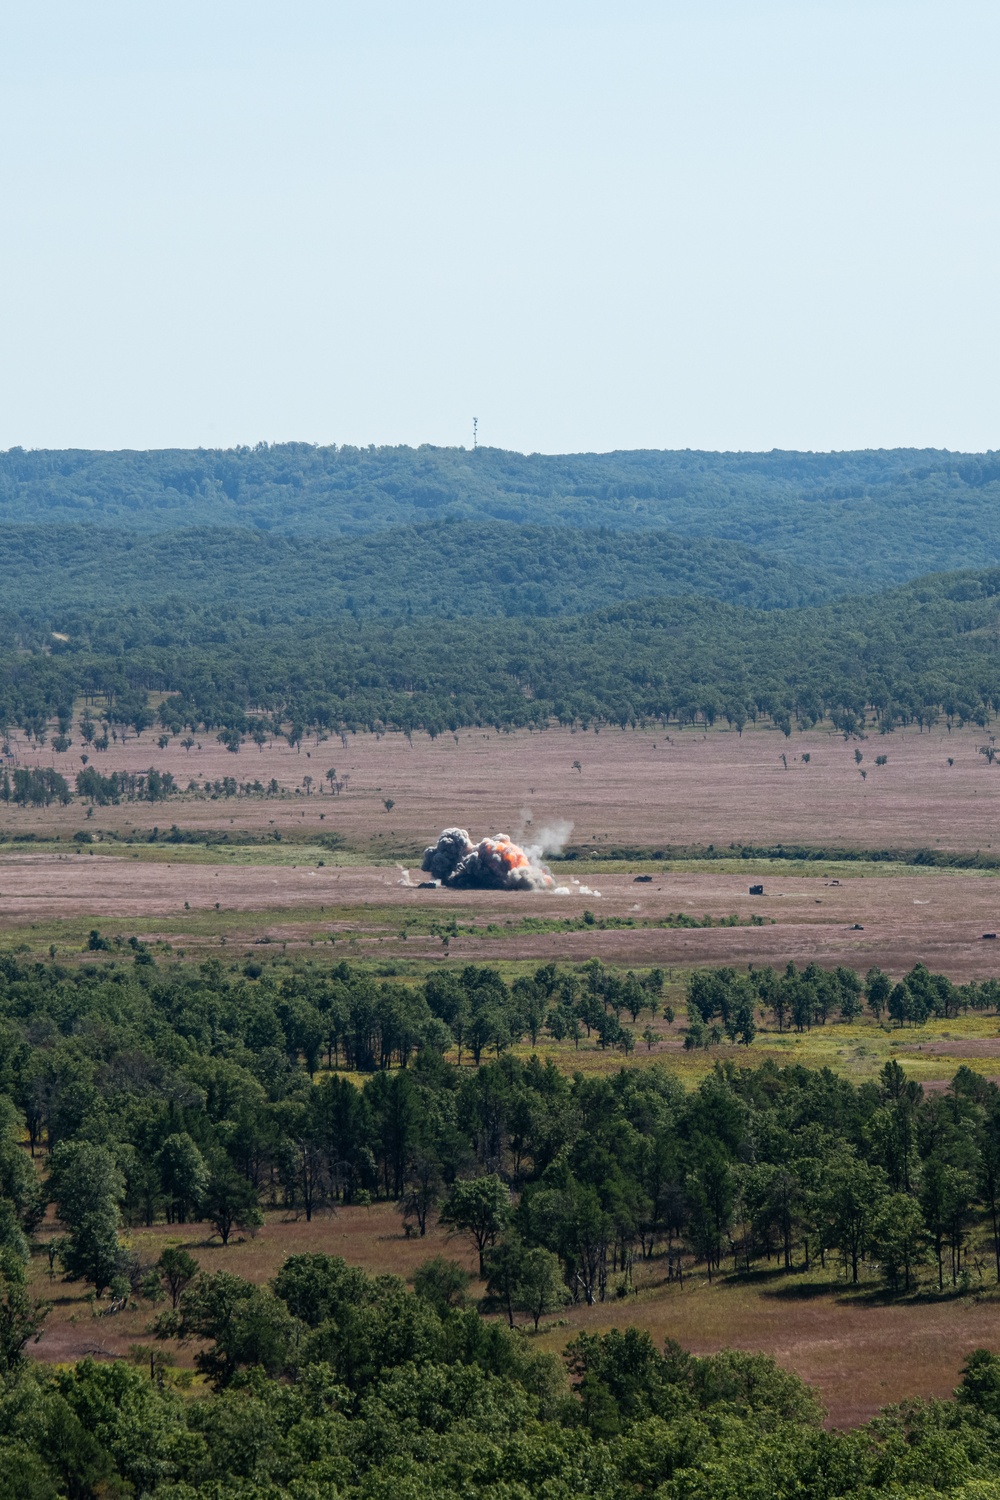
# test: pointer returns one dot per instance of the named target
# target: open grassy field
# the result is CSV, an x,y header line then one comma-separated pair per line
x,y
869,914
639,787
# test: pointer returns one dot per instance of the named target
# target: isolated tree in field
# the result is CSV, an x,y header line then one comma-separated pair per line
x,y
231,1202
480,1208
177,1269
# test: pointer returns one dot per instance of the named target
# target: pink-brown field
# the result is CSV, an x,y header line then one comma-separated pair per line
x,y
633,787
934,917
642,789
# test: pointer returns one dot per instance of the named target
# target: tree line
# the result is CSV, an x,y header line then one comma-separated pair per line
x,y
871,517
725,1002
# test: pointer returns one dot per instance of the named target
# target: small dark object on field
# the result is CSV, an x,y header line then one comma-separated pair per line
x,y
642,880
989,936
857,927
756,890
427,885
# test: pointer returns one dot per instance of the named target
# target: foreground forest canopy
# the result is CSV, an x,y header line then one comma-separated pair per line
x,y
430,1401
154,1089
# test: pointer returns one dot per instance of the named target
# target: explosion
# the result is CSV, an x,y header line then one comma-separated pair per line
x,y
494,863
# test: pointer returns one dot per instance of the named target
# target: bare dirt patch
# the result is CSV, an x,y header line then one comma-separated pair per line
x,y
980,1046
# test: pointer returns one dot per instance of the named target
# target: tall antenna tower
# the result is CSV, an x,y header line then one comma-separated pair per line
x,y
475,433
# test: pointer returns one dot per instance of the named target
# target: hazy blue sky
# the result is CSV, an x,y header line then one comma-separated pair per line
x,y
592,225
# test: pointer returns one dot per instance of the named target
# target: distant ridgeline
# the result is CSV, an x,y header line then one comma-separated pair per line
x,y
432,588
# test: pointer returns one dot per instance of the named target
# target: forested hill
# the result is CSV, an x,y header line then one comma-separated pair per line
x,y
426,588
914,653
880,516
446,569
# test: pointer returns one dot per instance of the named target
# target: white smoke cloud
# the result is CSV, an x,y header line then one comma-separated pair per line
x,y
551,839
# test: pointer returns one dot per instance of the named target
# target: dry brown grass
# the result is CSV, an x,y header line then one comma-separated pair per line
x,y
860,1355
936,917
635,787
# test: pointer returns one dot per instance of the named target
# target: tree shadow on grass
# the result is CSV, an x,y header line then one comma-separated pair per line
x,y
806,1291
795,1285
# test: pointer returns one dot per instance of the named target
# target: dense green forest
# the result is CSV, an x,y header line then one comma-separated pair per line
x,y
444,569
882,516
151,1088
919,652
178,1091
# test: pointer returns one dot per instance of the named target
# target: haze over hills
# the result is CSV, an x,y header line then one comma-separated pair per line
x,y
428,587
864,518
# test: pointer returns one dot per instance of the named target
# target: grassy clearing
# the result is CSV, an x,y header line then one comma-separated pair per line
x,y
858,1349
284,854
